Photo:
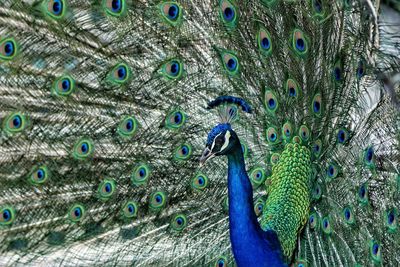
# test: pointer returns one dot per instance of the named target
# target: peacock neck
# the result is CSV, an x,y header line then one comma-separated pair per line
x,y
241,210
250,244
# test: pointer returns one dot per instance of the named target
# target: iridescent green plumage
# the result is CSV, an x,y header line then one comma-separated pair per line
x,y
286,209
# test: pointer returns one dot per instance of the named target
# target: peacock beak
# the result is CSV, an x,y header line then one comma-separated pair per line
x,y
206,156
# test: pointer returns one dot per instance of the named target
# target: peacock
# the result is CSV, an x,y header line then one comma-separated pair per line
x,y
199,133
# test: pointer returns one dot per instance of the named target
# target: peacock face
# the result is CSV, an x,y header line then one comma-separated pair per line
x,y
219,142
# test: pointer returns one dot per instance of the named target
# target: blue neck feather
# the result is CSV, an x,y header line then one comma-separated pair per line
x,y
250,244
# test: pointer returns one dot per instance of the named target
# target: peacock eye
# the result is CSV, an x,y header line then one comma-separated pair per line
x,y
292,88
114,7
221,140
199,182
76,213
313,220
369,157
375,251
183,152
55,8
342,136
106,189
157,200
63,86
218,143
299,42
171,12
175,119
7,215
8,48
221,262
363,193
127,127
272,135
140,174
257,176
83,149
179,222
130,209
391,220
332,171
120,74
317,192
172,69
326,226
39,175
348,215
228,13
230,63
15,123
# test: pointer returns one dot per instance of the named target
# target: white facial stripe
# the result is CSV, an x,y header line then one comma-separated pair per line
x,y
213,144
227,136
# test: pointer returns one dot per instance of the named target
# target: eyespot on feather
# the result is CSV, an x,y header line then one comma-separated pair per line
x,y
348,215
8,49
39,175
114,8
130,209
106,189
179,222
304,133
313,221
299,43
127,127
221,262
272,136
175,120
199,182
171,12
264,42
15,123
183,152
317,148
76,213
83,149
375,251
140,174
292,89
55,9
230,63
157,200
120,74
332,171
7,215
271,101
228,13
326,225
257,176
316,105
63,86
173,69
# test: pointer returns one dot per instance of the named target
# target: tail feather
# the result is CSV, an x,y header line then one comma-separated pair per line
x,y
103,108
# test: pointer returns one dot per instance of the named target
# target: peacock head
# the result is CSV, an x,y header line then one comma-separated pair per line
x,y
220,141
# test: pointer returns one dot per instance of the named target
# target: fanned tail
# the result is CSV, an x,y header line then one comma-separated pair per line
x,y
103,118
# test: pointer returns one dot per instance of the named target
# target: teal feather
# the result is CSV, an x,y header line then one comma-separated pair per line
x,y
103,119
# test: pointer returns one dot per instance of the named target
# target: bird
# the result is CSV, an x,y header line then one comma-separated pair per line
x,y
198,133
